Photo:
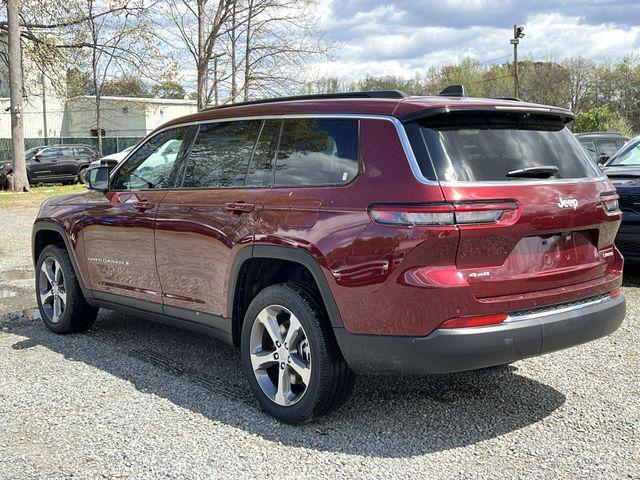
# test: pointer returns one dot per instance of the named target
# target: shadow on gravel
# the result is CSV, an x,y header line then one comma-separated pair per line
x,y
386,417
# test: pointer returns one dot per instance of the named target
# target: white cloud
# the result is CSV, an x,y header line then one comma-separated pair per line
x,y
387,40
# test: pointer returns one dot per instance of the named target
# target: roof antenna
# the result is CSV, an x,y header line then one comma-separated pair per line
x,y
454,91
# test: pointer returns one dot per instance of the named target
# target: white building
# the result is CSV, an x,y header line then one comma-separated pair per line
x,y
76,117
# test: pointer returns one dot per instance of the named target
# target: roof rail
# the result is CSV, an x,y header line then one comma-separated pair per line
x,y
318,96
515,99
454,91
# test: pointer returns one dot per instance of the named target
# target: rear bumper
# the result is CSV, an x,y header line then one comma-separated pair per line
x,y
461,349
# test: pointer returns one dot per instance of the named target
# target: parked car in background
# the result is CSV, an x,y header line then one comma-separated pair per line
x,y
356,232
113,159
59,163
623,169
54,164
601,145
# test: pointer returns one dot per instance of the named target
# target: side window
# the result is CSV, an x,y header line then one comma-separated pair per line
x,y
317,152
220,154
66,152
608,147
260,169
155,163
590,148
49,153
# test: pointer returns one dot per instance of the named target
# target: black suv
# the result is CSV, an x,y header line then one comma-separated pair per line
x,y
602,145
59,163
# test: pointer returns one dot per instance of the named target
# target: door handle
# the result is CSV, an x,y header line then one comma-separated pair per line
x,y
143,205
240,207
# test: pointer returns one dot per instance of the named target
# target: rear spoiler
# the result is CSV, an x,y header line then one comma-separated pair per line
x,y
563,114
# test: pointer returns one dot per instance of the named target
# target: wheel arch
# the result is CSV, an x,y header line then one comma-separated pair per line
x,y
48,233
243,259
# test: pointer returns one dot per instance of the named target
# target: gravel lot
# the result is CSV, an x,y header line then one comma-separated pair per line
x,y
134,399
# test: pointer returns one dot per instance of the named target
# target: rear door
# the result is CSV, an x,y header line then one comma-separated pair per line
x,y
66,164
202,225
521,230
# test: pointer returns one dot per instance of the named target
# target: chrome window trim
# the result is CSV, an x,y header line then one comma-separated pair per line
x,y
516,318
402,135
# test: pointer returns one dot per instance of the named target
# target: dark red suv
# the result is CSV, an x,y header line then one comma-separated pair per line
x,y
332,234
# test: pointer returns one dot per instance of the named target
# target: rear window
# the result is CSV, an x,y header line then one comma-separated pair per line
x,y
486,146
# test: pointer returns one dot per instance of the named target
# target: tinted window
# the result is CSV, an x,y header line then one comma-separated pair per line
x,y
486,146
264,154
85,151
317,152
220,155
590,147
609,147
66,152
154,164
49,153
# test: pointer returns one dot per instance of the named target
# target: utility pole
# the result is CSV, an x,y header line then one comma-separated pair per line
x,y
43,80
19,176
518,33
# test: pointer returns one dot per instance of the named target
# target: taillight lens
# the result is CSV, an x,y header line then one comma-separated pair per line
x,y
411,216
478,321
441,213
614,293
610,202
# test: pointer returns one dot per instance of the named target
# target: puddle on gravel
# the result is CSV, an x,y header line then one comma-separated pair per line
x,y
17,274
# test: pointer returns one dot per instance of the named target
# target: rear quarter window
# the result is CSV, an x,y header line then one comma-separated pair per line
x,y
486,146
317,151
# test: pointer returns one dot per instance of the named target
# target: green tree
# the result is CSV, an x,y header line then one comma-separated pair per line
x,y
168,89
601,119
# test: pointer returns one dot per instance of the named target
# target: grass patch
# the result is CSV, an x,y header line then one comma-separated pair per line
x,y
37,195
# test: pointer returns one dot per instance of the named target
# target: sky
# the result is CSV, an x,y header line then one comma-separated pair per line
x,y
404,38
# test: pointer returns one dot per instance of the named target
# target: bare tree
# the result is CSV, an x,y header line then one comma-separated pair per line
x,y
198,26
579,81
280,38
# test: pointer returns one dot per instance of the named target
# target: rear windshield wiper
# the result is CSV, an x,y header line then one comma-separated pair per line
x,y
543,171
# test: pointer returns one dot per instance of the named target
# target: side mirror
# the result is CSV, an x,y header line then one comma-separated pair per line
x,y
37,157
98,179
602,159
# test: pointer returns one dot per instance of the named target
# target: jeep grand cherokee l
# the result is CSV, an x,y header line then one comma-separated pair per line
x,y
333,234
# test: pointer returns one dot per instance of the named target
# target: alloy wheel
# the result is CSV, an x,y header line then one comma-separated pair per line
x,y
53,294
280,355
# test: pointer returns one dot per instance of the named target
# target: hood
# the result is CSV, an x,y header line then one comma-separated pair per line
x,y
623,175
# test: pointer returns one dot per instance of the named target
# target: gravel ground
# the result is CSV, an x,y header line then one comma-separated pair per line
x,y
131,398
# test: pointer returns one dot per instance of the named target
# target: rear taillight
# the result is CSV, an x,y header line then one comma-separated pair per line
x,y
471,213
615,293
477,321
610,202
410,216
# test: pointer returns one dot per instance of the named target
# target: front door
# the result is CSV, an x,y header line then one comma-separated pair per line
x,y
41,165
118,228
202,226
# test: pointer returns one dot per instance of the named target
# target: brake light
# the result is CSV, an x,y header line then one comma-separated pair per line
x,y
610,202
470,213
477,321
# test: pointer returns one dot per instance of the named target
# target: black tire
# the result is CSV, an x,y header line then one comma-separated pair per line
x,y
82,175
331,379
77,315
